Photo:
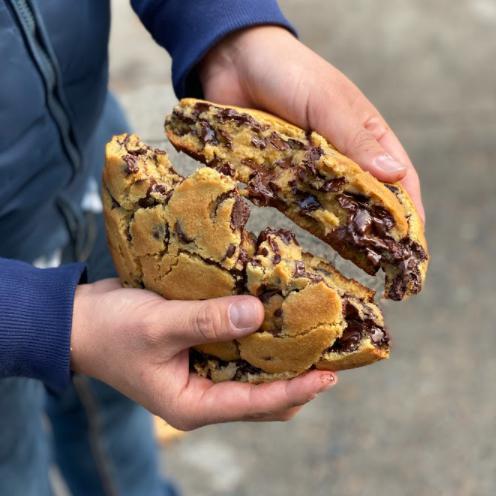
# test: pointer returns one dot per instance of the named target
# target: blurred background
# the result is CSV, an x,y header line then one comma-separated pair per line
x,y
424,422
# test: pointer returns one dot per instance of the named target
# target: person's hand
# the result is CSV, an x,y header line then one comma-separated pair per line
x,y
138,342
268,68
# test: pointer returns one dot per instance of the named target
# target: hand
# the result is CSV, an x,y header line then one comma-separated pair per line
x,y
268,68
138,343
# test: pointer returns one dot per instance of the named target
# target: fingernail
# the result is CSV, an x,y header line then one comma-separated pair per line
x,y
243,315
388,164
327,380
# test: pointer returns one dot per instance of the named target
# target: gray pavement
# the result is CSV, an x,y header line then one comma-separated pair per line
x,y
424,422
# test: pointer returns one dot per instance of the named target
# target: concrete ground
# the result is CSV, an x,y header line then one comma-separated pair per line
x,y
424,422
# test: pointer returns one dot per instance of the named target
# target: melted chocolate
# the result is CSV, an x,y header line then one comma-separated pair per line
x,y
356,330
240,213
367,231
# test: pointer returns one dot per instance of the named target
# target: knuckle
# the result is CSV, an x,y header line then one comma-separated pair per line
x,y
150,330
361,140
208,322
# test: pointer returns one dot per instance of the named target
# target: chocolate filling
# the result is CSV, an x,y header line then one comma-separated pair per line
x,y
356,330
367,231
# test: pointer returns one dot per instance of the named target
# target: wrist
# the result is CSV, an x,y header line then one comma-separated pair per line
x,y
82,317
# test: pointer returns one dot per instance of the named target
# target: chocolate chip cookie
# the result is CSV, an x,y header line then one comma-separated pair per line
x,y
185,238
375,225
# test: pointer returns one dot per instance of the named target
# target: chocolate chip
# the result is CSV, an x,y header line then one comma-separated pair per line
x,y
278,312
311,157
155,195
277,142
374,258
309,204
200,107
131,164
295,144
225,138
362,221
286,236
161,232
333,185
226,168
259,143
299,269
207,133
231,114
181,235
392,188
259,189
284,163
240,213
114,203
137,151
264,252
230,251
266,294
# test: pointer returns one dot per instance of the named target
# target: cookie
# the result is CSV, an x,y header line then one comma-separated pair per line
x,y
375,225
185,238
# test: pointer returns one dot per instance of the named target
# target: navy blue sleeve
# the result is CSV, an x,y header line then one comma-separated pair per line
x,y
36,320
187,29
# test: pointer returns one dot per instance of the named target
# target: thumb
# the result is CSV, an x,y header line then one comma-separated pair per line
x,y
221,319
359,139
363,147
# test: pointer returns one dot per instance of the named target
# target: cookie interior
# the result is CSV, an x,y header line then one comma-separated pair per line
x,y
370,223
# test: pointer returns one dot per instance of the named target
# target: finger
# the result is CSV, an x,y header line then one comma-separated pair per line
x,y
221,319
106,285
203,402
386,137
342,121
282,416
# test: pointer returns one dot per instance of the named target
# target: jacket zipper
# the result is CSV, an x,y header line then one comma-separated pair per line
x,y
44,57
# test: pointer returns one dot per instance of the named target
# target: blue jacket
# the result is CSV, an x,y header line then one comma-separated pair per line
x,y
55,116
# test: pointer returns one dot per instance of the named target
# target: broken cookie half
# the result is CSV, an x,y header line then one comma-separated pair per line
x,y
185,238
373,224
